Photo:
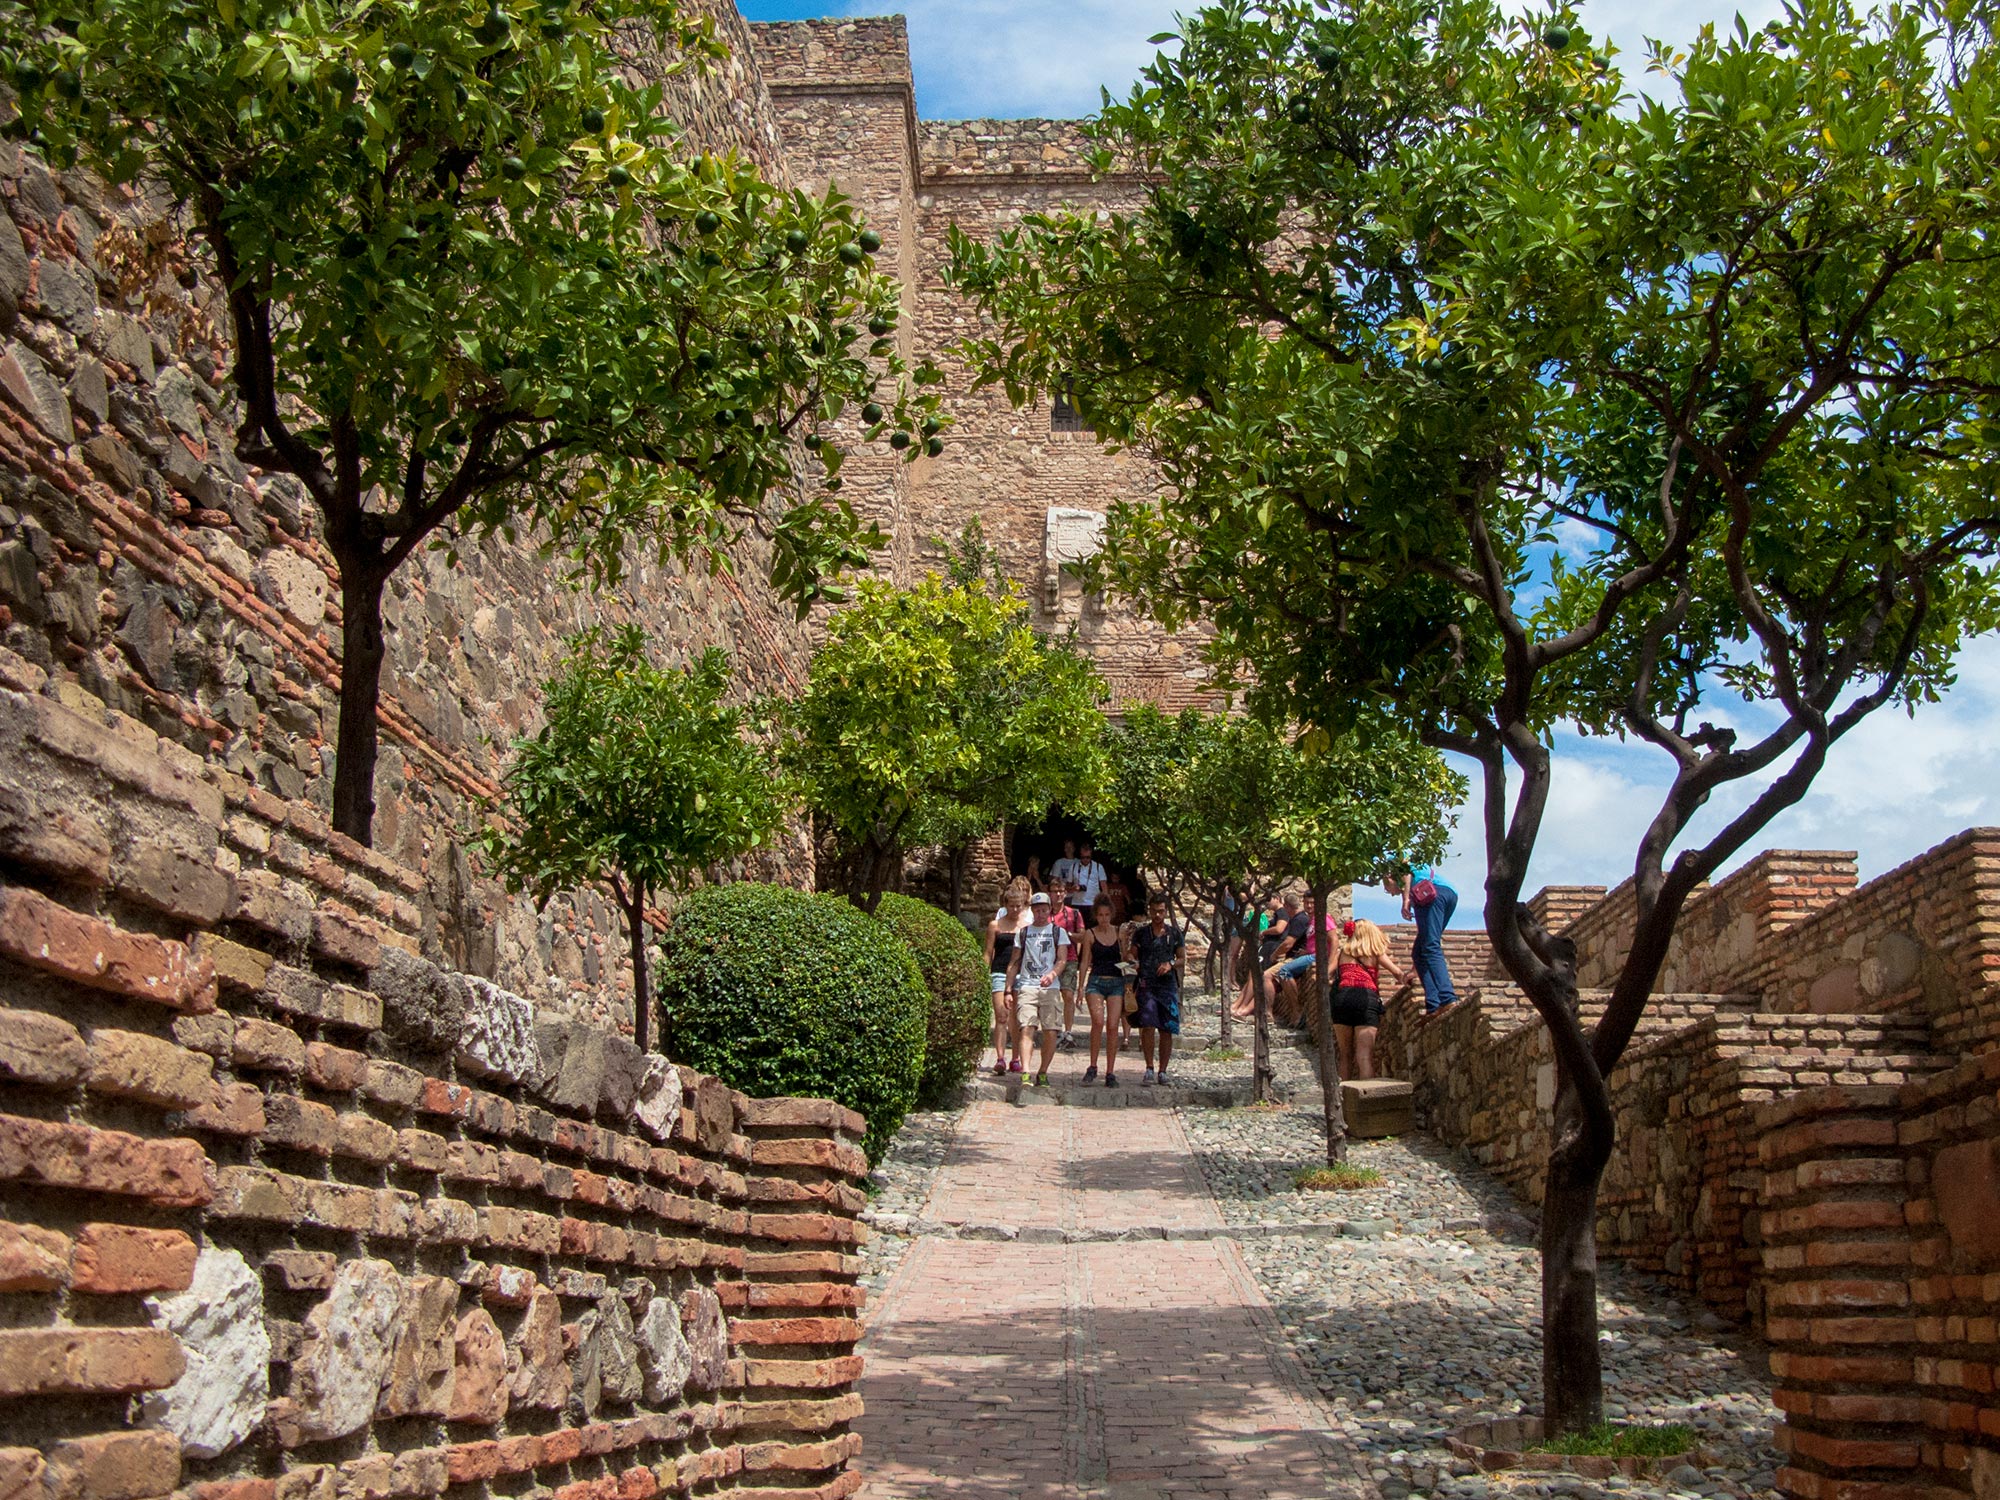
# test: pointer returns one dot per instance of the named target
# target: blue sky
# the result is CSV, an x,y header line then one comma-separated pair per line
x,y
1010,58
1891,790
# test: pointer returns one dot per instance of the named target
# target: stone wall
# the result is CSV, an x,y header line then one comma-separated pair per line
x,y
142,562
1809,1140
288,1211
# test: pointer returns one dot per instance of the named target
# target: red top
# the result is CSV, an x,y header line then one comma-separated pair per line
x,y
1069,919
1358,976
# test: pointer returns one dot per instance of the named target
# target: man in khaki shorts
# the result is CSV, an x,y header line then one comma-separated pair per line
x,y
1041,953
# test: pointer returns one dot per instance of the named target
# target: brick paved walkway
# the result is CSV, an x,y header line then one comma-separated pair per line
x,y
1125,1369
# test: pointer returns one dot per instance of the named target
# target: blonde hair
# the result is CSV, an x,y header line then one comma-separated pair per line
x,y
1018,891
1367,944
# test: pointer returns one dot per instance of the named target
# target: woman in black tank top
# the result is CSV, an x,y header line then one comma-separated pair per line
x,y
1103,989
999,955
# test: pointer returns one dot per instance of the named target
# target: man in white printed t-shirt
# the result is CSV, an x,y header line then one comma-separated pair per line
x,y
1041,952
1085,881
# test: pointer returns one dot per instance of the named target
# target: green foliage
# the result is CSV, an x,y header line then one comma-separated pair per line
x,y
1483,399
937,711
778,992
1619,1441
1210,798
471,267
641,777
954,969
1338,1178
641,773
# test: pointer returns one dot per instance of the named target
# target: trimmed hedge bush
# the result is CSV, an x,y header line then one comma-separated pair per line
x,y
953,964
775,991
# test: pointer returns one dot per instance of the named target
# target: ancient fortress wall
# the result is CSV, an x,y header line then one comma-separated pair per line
x,y
1809,1140
289,1213
1039,492
142,561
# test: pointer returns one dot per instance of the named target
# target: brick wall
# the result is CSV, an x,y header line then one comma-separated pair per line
x,y
286,1210
1881,1256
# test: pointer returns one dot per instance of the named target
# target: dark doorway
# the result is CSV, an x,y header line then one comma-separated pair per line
x,y
1044,842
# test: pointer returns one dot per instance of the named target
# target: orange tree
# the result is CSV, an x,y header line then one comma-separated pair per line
x,y
1490,394
475,282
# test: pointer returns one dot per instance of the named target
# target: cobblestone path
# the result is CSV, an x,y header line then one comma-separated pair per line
x,y
1041,1366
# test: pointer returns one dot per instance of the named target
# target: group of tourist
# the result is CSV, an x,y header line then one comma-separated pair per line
x,y
1051,950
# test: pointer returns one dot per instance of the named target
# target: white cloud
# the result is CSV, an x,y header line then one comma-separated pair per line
x,y
1014,58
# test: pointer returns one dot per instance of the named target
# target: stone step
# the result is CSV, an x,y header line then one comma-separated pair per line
x,y
1508,1226
1130,1093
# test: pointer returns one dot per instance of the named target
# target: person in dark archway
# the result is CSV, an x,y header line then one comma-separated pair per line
x,y
1158,952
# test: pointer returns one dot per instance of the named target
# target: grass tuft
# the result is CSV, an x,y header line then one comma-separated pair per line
x,y
1342,1178
1615,1440
1221,1054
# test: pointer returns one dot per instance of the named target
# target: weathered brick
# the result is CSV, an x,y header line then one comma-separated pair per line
x,y
114,1466
808,1228
87,950
172,1172
132,1065
174,883
767,1331
342,934
122,1258
87,1361
802,1374
33,1259
337,1070
21,1473
835,1156
235,964
231,1109
268,1047
301,1124
39,1049
303,1270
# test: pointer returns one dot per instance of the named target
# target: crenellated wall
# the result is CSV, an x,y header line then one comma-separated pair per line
x,y
288,1211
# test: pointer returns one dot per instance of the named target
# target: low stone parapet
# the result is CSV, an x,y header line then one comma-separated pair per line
x,y
290,1210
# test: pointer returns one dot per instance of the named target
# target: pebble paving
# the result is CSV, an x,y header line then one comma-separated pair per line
x,y
1278,1343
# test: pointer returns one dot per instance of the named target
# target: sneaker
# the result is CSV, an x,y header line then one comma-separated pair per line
x,y
1089,1073
1015,1066
1000,1069
1111,1080
1161,1078
1042,1079
1148,1078
1066,1042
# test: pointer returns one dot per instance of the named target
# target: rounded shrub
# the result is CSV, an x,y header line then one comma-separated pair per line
x,y
776,992
953,964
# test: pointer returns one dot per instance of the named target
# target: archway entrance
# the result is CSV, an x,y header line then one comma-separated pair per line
x,y
1043,843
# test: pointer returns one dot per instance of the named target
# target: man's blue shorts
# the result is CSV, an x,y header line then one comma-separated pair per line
x,y
1293,968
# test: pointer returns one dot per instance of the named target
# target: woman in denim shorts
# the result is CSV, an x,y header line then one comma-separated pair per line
x,y
1104,990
